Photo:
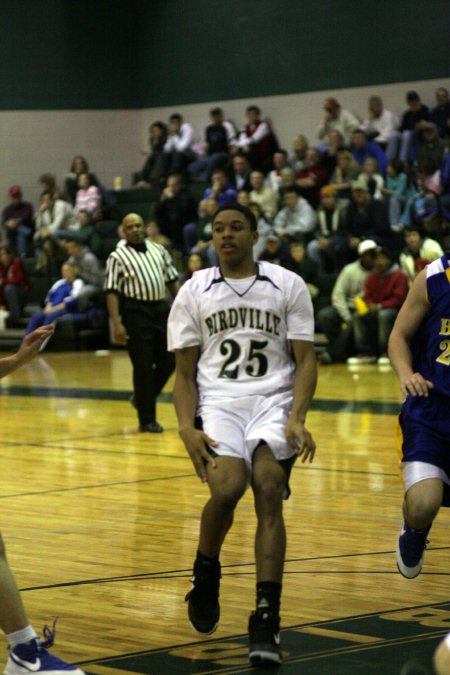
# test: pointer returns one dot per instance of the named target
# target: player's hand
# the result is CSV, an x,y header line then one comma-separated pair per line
x,y
195,442
415,385
300,440
33,341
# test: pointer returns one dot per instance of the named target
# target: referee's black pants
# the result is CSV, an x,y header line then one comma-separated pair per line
x,y
146,324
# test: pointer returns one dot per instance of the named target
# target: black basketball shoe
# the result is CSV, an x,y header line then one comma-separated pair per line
x,y
264,638
203,599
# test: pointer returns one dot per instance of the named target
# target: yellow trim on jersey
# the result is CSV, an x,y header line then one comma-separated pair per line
x,y
447,274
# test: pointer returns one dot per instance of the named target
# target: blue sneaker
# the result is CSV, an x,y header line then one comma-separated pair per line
x,y
410,550
33,657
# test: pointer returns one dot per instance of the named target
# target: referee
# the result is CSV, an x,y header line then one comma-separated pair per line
x,y
137,273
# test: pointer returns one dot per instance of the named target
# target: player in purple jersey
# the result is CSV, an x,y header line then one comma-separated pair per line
x,y
419,349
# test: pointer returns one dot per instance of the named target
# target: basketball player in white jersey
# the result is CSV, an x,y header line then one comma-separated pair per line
x,y
243,336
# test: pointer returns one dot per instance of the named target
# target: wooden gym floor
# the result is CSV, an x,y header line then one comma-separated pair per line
x,y
101,526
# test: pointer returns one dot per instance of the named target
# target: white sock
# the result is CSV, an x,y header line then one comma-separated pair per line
x,y
21,636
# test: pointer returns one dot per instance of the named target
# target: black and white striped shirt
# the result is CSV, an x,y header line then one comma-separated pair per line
x,y
140,275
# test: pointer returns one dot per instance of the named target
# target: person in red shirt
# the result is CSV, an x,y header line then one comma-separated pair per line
x,y
385,291
14,284
312,178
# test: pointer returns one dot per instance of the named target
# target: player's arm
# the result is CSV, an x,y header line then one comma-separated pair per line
x,y
29,348
409,318
185,401
305,382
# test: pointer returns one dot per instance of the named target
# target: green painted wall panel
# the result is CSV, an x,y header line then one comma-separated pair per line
x,y
87,54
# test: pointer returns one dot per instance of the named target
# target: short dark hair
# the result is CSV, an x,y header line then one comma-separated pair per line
x,y
176,116
216,111
412,96
249,215
253,108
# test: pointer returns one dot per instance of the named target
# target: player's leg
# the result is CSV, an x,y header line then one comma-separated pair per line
x,y
27,653
227,483
420,507
268,483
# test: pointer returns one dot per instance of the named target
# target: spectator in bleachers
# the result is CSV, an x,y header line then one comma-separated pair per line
x,y
201,241
275,249
299,147
88,198
182,145
54,220
287,181
312,178
418,246
86,234
71,184
220,137
18,223
440,115
329,248
54,215
15,285
89,272
395,191
337,118
193,264
256,140
220,190
361,148
153,234
47,181
243,198
431,151
274,178
373,178
296,220
298,261
385,291
335,143
263,195
366,218
61,299
240,173
263,229
380,126
408,136
347,170
336,320
153,170
176,208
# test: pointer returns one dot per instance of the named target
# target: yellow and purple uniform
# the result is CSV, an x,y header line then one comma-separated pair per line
x,y
425,421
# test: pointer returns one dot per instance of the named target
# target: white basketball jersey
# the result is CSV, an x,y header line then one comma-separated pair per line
x,y
242,327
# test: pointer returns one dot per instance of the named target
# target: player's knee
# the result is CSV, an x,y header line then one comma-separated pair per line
x,y
421,509
269,489
228,495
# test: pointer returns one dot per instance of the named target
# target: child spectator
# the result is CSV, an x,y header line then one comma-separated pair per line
x,y
88,198
375,181
61,298
395,190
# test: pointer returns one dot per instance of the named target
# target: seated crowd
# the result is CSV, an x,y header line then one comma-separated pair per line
x,y
358,203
